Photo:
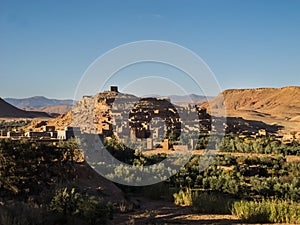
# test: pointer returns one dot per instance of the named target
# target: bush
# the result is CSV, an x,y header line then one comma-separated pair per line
x,y
158,191
19,213
73,205
15,215
251,211
214,203
183,198
27,167
204,202
66,202
267,211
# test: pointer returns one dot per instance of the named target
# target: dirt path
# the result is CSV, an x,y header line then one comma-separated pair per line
x,y
164,213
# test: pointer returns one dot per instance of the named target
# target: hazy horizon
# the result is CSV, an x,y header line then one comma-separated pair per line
x,y
145,95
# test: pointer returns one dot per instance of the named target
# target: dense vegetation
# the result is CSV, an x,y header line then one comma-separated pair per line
x,y
260,185
34,186
267,184
13,125
263,145
247,144
244,176
254,188
36,182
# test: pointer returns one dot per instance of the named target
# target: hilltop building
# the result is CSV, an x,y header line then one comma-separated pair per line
x,y
12,134
67,133
114,88
39,135
149,143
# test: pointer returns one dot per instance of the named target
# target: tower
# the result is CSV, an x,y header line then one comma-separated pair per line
x,y
114,88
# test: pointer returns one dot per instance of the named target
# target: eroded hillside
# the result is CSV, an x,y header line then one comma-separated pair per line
x,y
271,105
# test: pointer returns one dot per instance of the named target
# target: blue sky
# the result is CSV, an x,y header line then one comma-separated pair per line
x,y
46,46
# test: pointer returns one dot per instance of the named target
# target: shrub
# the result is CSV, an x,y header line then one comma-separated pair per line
x,y
183,198
214,203
251,211
204,202
27,167
74,205
66,202
158,191
269,211
15,216
19,213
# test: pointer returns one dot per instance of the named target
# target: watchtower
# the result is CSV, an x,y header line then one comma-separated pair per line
x,y
114,88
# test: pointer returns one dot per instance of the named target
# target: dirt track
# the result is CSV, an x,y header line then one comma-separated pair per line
x,y
164,212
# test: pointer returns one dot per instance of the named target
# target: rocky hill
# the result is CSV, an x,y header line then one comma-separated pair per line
x,y
271,105
9,111
91,112
273,109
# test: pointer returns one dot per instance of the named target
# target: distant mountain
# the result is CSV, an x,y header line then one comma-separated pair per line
x,y
37,102
9,111
187,98
184,99
54,109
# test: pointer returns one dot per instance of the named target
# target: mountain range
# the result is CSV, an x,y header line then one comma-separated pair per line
x,y
179,98
37,102
183,100
42,104
56,106
9,111
273,106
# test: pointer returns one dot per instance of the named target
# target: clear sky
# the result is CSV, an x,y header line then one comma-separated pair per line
x,y
45,46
